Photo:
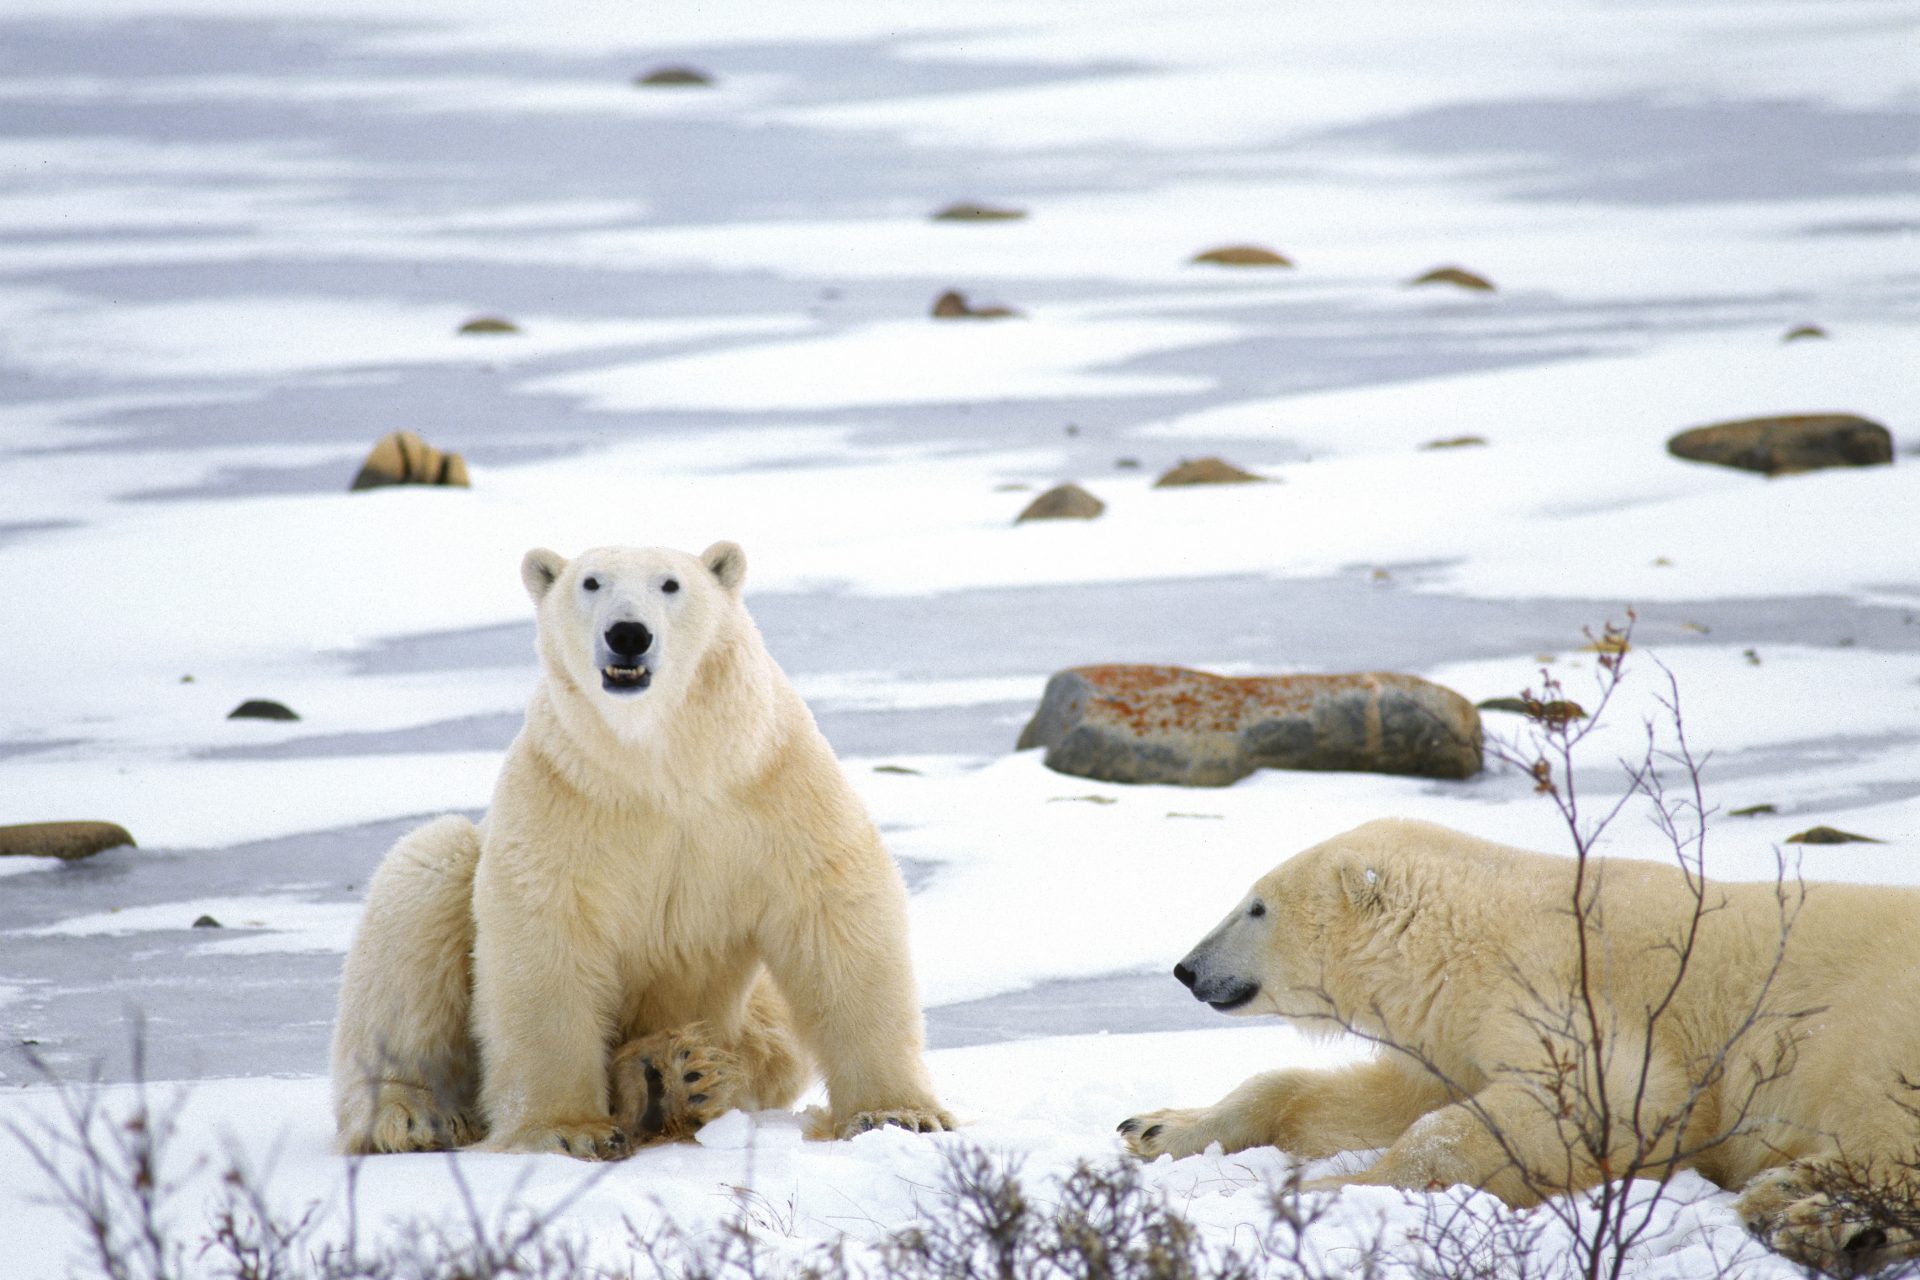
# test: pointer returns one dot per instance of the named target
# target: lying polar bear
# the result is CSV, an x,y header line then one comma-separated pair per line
x,y
1460,958
675,904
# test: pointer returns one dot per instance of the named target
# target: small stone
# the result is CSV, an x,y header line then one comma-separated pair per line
x,y
1175,725
1753,811
262,709
1242,255
1787,445
966,211
953,305
1662,562
401,457
1206,471
489,324
1459,277
207,922
673,76
68,841
1062,502
1804,331
1082,800
1455,442
896,768
1752,656
1012,486
1127,464
1559,709
1830,835
1697,628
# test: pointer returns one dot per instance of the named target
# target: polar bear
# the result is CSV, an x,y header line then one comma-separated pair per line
x,y
1784,1062
674,905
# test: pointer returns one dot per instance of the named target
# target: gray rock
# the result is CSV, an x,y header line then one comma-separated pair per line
x,y
1150,724
68,840
1783,446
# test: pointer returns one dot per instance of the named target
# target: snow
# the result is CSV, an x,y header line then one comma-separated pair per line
x,y
240,235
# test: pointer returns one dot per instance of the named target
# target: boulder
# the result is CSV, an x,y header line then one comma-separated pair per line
x,y
70,841
1243,255
1785,445
967,211
262,709
1155,724
953,305
1830,835
1062,502
1206,471
673,77
1459,277
401,457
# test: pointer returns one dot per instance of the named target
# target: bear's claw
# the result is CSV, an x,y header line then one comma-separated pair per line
x,y
913,1119
1173,1133
413,1118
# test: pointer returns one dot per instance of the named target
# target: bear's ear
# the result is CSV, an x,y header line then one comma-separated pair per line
x,y
539,569
728,563
1363,887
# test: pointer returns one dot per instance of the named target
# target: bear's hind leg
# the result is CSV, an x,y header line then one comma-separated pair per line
x,y
1838,1217
404,1065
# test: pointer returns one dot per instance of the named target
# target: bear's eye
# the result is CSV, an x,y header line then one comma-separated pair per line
x,y
591,584
1257,910
670,586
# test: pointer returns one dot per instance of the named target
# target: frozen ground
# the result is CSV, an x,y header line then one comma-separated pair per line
x,y
235,242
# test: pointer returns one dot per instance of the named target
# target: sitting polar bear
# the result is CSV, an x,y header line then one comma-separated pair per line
x,y
674,906
1784,1062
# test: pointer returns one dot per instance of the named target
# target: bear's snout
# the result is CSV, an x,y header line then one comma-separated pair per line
x,y
629,639
1185,975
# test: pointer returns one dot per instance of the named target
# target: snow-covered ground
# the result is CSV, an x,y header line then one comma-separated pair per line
x,y
236,240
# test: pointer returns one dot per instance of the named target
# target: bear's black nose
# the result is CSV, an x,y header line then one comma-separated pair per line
x,y
629,639
1185,975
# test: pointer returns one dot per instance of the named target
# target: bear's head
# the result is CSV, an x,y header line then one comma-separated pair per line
x,y
1297,944
627,628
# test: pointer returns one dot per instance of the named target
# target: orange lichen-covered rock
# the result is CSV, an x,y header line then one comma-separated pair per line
x,y
1154,724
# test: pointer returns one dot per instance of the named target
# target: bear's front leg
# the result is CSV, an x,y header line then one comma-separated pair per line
x,y
1310,1114
844,971
543,1006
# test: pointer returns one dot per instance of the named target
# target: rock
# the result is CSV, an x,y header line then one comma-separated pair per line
x,y
1457,276
1206,471
1753,811
673,77
1455,442
953,305
896,768
69,841
1830,835
1153,724
1242,255
401,457
1062,502
489,324
1558,709
1803,331
968,212
207,922
1783,446
262,709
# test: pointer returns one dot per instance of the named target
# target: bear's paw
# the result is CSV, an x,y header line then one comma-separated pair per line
x,y
1787,1209
410,1117
1175,1131
668,1085
913,1119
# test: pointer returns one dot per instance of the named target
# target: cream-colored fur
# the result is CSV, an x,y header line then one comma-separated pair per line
x,y
1770,1067
675,903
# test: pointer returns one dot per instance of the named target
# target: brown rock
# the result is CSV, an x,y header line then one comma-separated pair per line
x,y
69,841
401,457
1154,724
1455,442
968,212
1457,276
1830,835
1062,502
1804,331
262,709
1206,471
1242,255
673,77
953,305
489,324
1786,445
